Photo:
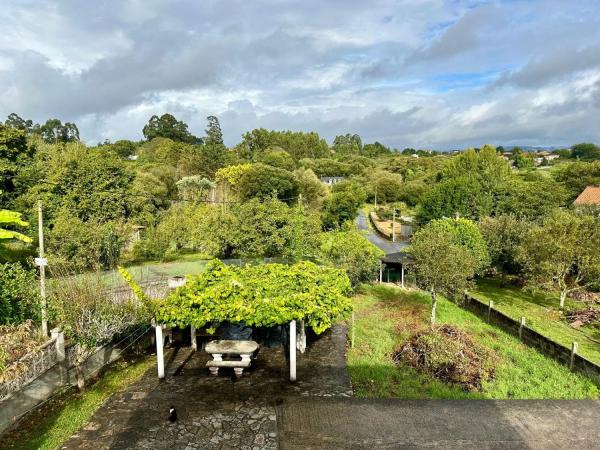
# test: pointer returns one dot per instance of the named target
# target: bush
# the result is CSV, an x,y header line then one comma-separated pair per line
x,y
352,252
19,297
450,355
15,342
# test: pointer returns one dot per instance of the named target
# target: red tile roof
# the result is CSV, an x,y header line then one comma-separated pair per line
x,y
589,196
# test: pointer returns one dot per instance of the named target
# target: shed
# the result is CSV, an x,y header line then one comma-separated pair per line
x,y
395,263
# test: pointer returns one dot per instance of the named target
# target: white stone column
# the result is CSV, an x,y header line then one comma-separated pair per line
x,y
160,357
293,350
193,337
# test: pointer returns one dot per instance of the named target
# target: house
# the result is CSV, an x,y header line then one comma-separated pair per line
x,y
330,181
589,196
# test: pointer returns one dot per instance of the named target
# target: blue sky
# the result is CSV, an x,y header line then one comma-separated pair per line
x,y
421,73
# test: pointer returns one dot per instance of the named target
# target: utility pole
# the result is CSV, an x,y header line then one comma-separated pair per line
x,y
375,196
42,263
394,226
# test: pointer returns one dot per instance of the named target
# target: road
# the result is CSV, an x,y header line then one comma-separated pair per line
x,y
362,222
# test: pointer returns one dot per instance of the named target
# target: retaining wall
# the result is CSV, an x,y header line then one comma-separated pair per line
x,y
57,377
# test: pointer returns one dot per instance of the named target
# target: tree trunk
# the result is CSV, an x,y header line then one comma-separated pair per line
x,y
80,377
433,306
563,296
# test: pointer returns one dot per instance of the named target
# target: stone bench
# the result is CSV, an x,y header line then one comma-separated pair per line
x,y
233,349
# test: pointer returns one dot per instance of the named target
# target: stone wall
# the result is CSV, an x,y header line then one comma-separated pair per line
x,y
532,338
62,375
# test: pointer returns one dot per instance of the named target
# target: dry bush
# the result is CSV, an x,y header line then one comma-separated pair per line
x,y
17,341
450,355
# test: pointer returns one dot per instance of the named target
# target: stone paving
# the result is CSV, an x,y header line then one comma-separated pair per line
x,y
216,413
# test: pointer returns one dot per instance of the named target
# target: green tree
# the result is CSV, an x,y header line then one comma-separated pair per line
x,y
214,135
576,176
375,150
15,121
352,252
299,145
195,187
585,151
563,253
343,204
54,131
279,158
18,294
504,236
521,159
348,144
441,265
262,181
167,126
313,192
463,196
529,198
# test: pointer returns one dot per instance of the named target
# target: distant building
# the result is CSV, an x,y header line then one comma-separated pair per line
x,y
330,181
589,196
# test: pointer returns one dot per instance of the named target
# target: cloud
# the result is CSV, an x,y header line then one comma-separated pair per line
x,y
420,73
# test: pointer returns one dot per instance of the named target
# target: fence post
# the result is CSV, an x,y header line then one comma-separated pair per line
x,y
352,332
521,326
59,345
490,306
574,348
293,350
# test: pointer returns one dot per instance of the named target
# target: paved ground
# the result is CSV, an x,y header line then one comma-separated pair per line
x,y
216,413
466,424
374,238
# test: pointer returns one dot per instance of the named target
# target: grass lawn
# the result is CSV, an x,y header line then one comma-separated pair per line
x,y
386,316
542,315
56,421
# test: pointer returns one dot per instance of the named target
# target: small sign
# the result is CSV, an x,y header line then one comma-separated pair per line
x,y
41,262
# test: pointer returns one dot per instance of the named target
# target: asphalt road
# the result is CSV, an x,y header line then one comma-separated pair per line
x,y
362,222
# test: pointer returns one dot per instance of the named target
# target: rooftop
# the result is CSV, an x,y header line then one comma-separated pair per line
x,y
589,196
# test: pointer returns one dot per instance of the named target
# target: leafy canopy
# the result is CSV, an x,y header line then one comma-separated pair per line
x,y
265,295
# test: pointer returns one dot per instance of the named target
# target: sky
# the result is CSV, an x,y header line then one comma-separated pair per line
x,y
440,74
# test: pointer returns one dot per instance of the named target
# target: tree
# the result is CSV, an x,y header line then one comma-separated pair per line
x,y
463,196
343,204
521,159
585,151
54,131
195,188
441,265
352,252
348,144
214,135
15,156
167,126
563,253
299,145
375,150
504,235
262,181
313,192
15,121
18,294
576,176
279,158
385,185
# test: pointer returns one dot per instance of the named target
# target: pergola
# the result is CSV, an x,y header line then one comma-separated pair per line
x,y
398,261
296,343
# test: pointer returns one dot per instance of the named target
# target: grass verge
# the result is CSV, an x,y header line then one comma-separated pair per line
x,y
53,423
542,315
385,317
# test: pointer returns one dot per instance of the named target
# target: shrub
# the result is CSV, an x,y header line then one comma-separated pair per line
x,y
352,252
19,296
450,355
15,342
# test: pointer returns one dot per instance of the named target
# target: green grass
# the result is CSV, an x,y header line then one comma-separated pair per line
x,y
55,422
385,317
542,315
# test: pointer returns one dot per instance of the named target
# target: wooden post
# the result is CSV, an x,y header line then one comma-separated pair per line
x,y
491,305
160,357
380,272
394,226
42,270
574,348
521,326
352,332
193,337
293,350
402,275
